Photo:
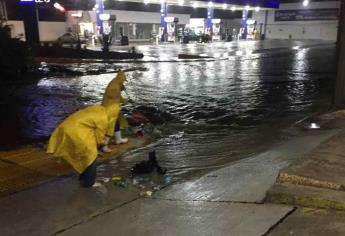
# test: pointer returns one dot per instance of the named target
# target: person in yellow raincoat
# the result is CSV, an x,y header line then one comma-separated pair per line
x,y
111,96
77,138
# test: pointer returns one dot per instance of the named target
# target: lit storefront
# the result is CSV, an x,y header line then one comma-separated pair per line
x,y
137,26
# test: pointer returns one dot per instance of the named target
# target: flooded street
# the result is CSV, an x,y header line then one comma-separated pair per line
x,y
210,112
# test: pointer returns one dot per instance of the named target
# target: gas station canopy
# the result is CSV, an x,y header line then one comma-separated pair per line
x,y
233,5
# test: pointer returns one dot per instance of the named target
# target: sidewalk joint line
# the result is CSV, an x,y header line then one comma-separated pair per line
x,y
93,217
279,221
209,201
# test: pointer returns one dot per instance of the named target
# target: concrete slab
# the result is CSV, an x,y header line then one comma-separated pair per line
x,y
312,222
58,205
247,180
162,217
322,167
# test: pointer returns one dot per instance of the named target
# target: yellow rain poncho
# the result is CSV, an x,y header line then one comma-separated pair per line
x,y
112,95
76,139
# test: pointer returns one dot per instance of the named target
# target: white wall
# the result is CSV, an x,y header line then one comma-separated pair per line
x,y
145,17
325,30
131,17
17,29
50,31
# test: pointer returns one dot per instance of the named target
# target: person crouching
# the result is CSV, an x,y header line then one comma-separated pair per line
x,y
77,138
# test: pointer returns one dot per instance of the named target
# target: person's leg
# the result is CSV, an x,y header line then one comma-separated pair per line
x,y
118,137
117,125
106,148
88,177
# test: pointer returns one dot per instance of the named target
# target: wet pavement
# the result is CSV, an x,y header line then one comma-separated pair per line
x,y
208,113
224,202
161,217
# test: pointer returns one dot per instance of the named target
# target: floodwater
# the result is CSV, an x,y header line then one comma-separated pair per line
x,y
209,112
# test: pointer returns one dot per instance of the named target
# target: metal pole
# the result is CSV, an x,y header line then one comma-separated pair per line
x,y
339,93
244,24
265,25
30,18
164,13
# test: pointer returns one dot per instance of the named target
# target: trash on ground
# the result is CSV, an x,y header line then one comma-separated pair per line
x,y
116,178
156,188
103,179
119,181
135,182
146,194
97,185
146,167
167,179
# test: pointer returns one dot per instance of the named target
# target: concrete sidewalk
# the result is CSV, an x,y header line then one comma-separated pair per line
x,y
318,179
229,201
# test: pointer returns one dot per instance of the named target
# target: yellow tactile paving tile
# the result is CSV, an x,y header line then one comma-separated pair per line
x,y
40,161
14,178
20,152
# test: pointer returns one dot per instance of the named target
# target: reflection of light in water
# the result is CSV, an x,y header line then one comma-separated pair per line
x,y
181,74
298,88
47,83
165,73
223,63
191,45
144,48
300,63
254,63
295,47
210,70
239,53
192,49
94,87
314,126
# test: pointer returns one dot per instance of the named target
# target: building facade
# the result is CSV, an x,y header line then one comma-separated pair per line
x,y
318,20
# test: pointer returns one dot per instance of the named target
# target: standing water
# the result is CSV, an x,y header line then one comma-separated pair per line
x,y
210,111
